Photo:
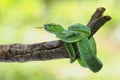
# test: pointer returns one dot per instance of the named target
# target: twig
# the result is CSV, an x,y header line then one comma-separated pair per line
x,y
97,20
47,50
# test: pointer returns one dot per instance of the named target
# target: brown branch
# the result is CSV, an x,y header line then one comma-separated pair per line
x,y
97,20
47,50
38,51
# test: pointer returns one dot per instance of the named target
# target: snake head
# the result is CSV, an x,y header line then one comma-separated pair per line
x,y
53,28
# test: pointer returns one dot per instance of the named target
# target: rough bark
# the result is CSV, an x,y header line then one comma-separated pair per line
x,y
47,50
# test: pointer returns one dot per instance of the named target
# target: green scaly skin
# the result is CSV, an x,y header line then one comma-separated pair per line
x,y
83,30
78,34
62,34
93,47
87,55
71,52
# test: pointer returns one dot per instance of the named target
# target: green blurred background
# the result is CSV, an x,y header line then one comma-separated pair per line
x,y
19,17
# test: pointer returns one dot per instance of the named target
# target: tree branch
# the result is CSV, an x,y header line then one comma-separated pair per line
x,y
97,20
47,50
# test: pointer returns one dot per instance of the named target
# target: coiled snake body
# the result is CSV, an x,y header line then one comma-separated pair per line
x,y
78,34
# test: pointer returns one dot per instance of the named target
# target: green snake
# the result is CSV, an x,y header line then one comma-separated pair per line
x,y
77,34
